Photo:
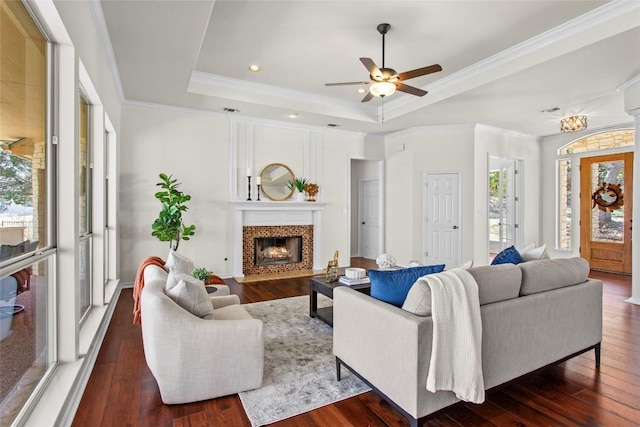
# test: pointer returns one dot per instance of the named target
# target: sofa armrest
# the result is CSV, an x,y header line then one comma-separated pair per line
x,y
224,300
388,346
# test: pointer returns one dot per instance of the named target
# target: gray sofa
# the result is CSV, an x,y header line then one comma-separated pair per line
x,y
533,315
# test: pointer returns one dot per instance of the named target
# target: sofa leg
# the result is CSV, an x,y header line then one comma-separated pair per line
x,y
338,365
597,349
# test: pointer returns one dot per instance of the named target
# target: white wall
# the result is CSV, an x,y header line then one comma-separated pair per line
x,y
194,148
204,151
409,155
464,150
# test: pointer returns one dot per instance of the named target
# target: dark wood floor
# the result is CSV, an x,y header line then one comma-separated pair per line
x,y
122,391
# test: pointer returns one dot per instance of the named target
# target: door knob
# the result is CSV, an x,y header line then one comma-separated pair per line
x,y
455,227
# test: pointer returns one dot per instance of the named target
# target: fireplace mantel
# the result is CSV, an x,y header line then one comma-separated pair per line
x,y
278,206
255,213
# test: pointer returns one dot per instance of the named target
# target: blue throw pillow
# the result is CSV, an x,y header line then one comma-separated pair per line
x,y
392,286
508,256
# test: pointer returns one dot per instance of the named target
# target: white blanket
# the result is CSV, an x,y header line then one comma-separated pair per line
x,y
456,353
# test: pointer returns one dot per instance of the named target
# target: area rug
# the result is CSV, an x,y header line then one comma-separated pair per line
x,y
299,366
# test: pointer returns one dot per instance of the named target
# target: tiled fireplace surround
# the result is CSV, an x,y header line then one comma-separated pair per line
x,y
277,219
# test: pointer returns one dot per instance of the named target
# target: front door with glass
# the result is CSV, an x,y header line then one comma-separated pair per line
x,y
606,206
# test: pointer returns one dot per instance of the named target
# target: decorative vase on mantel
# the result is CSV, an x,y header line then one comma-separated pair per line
x,y
299,196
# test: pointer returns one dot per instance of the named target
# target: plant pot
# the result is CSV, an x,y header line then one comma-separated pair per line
x,y
299,197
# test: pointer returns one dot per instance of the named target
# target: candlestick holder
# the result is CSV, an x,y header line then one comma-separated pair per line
x,y
258,199
249,188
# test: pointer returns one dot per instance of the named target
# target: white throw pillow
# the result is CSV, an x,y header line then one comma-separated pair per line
x,y
193,297
178,262
175,276
533,253
418,299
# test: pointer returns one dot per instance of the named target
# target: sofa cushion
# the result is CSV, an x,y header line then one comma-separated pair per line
x,y
547,274
193,297
495,283
533,253
509,255
392,286
179,262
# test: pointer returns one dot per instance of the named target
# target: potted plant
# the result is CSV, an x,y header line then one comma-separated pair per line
x,y
168,227
298,184
201,273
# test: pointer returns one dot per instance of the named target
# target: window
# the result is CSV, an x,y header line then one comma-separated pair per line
x,y
564,206
26,258
600,141
85,208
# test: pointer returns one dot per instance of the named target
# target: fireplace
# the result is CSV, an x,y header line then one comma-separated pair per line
x,y
277,250
276,219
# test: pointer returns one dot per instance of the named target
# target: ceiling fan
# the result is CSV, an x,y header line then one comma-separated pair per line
x,y
385,81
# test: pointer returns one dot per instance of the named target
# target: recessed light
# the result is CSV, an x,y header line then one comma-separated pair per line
x,y
293,115
255,68
361,91
230,110
333,125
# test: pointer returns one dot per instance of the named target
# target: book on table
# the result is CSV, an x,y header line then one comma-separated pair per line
x,y
350,282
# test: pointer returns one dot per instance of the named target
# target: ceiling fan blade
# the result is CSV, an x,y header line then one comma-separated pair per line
x,y
371,66
368,97
347,83
410,89
419,72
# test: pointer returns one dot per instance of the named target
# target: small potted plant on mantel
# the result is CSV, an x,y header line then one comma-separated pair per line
x,y
298,184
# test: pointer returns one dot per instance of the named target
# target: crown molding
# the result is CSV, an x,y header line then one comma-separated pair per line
x,y
273,96
239,119
618,15
103,32
502,131
634,81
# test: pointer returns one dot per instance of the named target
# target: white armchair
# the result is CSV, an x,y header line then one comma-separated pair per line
x,y
194,359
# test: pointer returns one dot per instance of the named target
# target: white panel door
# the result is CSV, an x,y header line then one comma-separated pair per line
x,y
442,238
369,218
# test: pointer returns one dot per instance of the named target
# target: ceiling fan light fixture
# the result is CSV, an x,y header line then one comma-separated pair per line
x,y
573,123
382,89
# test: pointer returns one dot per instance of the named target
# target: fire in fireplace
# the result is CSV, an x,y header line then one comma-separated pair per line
x,y
277,250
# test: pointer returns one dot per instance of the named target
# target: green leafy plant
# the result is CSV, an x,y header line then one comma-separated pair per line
x,y
201,273
168,227
298,184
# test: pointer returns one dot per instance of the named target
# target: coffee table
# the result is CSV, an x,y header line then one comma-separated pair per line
x,y
319,284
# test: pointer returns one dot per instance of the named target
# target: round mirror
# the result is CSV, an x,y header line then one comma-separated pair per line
x,y
274,179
